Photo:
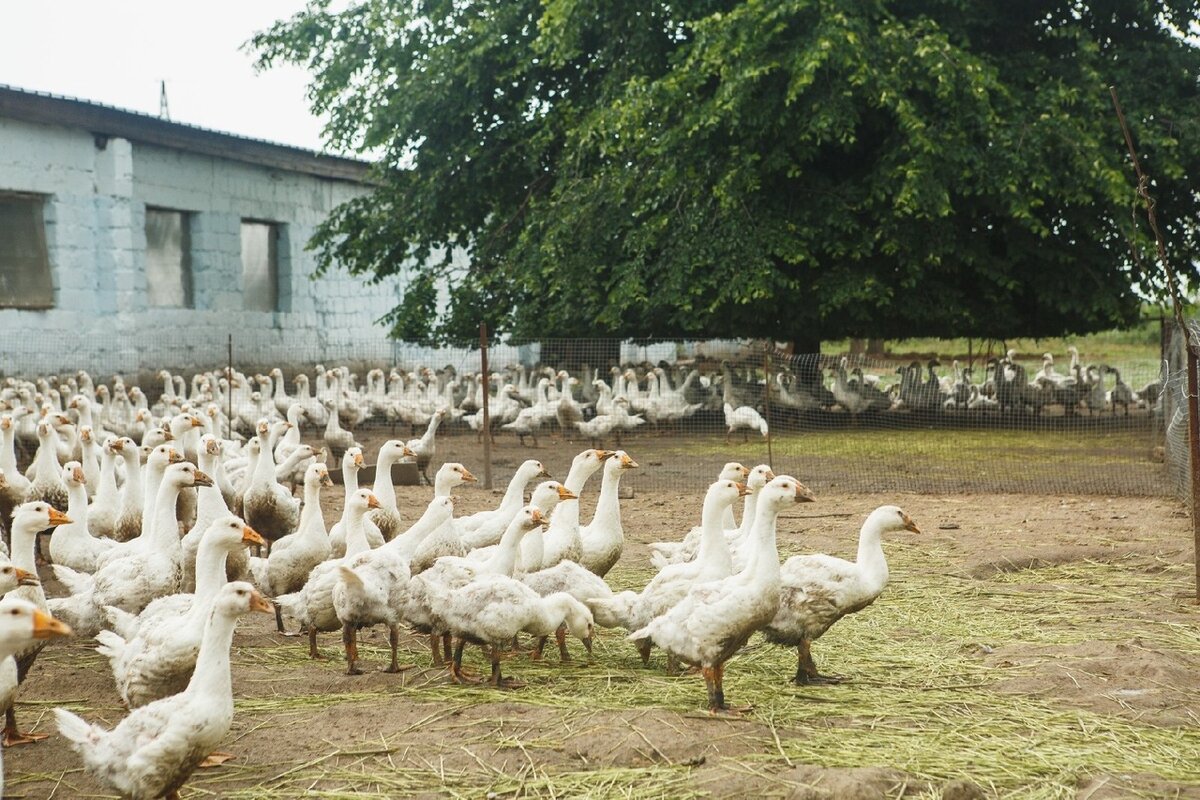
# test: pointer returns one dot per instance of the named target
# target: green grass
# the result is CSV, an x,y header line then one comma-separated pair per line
x,y
921,699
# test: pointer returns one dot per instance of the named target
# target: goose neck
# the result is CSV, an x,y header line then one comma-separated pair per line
x,y
8,452
713,549
608,507
356,534
211,678
210,571
165,529
504,560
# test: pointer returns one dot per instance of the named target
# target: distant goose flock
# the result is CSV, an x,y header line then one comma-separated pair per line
x,y
153,508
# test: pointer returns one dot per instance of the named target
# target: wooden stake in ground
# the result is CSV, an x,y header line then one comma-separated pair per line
x,y
487,417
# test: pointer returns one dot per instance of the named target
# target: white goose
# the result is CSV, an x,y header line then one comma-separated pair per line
x,y
603,538
715,619
153,655
446,540
373,586
387,517
492,609
22,624
664,553
562,539
131,582
485,527
426,591
352,464
293,557
268,507
818,590
28,520
312,605
73,545
154,750
16,485
635,610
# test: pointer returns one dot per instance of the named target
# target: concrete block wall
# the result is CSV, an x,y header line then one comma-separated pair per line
x,y
96,195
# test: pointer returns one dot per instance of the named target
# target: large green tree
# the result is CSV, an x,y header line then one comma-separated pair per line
x,y
799,169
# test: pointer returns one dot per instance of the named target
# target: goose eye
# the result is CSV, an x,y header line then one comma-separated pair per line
x,y
15,612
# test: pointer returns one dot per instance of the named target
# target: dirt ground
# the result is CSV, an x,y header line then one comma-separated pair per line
x,y
1028,645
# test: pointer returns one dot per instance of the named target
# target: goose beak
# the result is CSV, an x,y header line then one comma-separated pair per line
x,y
26,578
196,423
909,525
545,473
604,454
770,475
251,536
173,456
803,494
359,461
202,479
467,476
47,627
587,645
58,518
373,501
408,452
77,475
260,603
539,518
118,446
326,480
566,494
628,463
743,489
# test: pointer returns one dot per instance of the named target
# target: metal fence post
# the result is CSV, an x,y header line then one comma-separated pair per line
x,y
487,419
767,405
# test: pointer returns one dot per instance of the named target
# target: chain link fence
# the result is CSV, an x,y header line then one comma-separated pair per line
x,y
1004,423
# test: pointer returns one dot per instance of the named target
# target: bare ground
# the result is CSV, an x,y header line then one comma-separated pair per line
x,y
1028,645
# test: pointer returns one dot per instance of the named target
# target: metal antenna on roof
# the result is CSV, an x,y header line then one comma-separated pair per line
x,y
163,111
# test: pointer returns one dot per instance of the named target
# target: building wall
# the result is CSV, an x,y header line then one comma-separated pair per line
x,y
97,192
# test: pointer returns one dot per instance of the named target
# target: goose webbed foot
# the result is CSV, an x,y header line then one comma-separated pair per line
x,y
806,669
499,681
215,760
393,642
457,674
13,735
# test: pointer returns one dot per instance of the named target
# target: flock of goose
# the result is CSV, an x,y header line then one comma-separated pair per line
x,y
152,541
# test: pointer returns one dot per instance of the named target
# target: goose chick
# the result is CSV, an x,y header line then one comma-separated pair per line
x,y
818,590
154,750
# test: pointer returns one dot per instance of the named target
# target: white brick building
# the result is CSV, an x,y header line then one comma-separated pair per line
x,y
128,240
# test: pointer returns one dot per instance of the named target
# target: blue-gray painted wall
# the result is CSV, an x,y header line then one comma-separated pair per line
x,y
96,196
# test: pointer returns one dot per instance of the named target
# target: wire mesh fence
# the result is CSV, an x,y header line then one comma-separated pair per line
x,y
1007,422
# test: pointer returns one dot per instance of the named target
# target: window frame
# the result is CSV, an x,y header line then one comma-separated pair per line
x,y
274,238
187,277
38,202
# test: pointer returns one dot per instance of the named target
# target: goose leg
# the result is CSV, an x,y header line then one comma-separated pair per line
x,y
536,653
278,618
497,680
643,648
13,735
350,642
809,668
456,670
560,636
446,646
312,644
394,642
437,651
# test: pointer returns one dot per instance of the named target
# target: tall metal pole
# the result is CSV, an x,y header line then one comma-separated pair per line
x,y
487,418
229,392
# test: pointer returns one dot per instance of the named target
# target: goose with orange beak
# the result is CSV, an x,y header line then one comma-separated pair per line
x,y
818,590
154,750
28,520
153,654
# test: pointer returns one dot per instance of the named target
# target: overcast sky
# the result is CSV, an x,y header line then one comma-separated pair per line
x,y
116,53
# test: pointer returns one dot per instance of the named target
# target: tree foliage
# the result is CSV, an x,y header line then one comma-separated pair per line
x,y
798,169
